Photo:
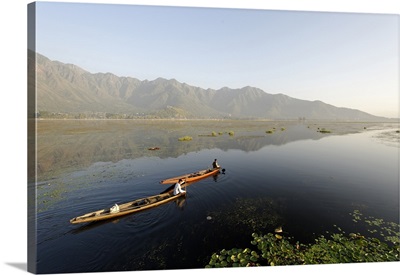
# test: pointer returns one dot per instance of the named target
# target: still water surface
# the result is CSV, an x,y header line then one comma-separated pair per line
x,y
306,184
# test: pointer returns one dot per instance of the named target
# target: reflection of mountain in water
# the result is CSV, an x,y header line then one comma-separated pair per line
x,y
278,137
73,145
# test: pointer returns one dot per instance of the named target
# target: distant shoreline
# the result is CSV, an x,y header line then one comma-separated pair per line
x,y
388,120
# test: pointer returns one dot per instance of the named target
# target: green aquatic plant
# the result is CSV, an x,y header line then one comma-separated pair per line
x,y
213,134
269,131
248,215
277,249
231,133
324,131
48,196
185,138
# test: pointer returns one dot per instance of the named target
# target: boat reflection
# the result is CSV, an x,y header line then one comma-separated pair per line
x,y
181,202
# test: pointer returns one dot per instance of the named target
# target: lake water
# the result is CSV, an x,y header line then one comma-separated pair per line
x,y
296,177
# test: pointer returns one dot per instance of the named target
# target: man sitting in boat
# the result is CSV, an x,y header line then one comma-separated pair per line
x,y
215,164
114,209
178,189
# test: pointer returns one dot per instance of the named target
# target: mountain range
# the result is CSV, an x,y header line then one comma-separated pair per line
x,y
69,89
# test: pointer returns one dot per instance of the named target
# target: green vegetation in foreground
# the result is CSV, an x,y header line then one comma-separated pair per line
x,y
269,131
275,249
185,138
231,133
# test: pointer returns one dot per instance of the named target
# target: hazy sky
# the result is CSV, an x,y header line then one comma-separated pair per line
x,y
344,59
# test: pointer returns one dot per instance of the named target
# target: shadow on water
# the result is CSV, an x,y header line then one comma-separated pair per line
x,y
93,225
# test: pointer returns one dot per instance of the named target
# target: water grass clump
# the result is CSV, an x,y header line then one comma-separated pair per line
x,y
324,131
269,131
185,138
231,133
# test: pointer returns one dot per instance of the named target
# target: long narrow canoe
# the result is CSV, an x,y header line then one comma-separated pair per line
x,y
127,208
192,176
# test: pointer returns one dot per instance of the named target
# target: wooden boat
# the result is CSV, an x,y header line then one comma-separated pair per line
x,y
127,208
192,176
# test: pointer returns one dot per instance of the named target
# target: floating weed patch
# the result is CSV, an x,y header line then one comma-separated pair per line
x,y
324,131
213,134
185,138
269,131
50,194
254,214
390,138
388,231
276,249
231,133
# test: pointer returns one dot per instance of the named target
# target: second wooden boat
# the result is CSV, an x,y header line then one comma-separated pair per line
x,y
192,176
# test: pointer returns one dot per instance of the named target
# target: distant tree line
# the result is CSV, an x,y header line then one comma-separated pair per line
x,y
90,115
107,115
162,114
